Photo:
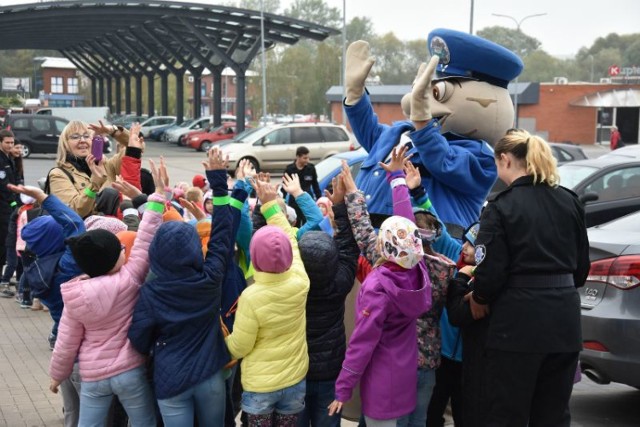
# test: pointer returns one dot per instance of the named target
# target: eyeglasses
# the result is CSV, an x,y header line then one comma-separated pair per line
x,y
78,137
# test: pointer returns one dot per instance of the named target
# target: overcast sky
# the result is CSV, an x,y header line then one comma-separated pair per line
x,y
568,25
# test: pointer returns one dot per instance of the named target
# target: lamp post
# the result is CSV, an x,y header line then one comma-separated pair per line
x,y
344,55
264,64
518,24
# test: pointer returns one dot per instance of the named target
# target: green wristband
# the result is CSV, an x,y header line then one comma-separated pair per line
x,y
155,206
89,193
427,204
271,211
221,200
13,204
236,204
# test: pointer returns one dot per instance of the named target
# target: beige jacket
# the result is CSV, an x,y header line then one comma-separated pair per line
x,y
72,194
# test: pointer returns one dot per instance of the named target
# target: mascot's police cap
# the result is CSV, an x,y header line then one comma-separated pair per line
x,y
466,55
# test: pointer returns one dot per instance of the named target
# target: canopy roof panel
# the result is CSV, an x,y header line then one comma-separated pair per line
x,y
610,98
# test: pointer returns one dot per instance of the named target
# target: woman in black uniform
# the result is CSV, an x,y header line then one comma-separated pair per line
x,y
532,252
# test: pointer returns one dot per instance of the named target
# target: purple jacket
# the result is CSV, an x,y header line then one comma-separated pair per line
x,y
383,351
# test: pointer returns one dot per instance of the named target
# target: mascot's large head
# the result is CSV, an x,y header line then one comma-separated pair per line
x,y
470,95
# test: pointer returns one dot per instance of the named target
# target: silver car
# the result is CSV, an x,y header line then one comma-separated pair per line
x,y
274,147
611,303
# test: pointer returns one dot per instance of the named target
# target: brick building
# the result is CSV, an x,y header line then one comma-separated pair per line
x,y
60,83
580,113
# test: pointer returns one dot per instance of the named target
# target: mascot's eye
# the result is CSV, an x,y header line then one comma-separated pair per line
x,y
442,91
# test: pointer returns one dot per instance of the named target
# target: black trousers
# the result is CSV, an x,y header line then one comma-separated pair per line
x,y
448,386
4,230
527,389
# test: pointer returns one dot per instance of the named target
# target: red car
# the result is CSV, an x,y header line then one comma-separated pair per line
x,y
203,140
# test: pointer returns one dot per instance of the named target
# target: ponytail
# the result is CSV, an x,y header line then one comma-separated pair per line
x,y
534,152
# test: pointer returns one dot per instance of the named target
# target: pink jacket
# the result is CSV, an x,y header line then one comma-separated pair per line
x,y
98,311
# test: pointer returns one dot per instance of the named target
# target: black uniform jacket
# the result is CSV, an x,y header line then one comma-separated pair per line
x,y
532,233
8,175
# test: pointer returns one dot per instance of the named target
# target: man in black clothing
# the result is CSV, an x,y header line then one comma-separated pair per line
x,y
308,179
8,199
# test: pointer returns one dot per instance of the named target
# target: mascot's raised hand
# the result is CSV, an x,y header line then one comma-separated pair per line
x,y
358,64
421,94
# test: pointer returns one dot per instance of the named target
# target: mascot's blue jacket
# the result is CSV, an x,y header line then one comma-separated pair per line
x,y
456,172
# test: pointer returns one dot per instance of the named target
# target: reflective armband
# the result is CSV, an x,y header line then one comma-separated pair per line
x,y
398,181
236,203
271,211
427,204
13,204
221,200
155,206
89,193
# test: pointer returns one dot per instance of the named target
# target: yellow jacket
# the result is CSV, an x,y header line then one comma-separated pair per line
x,y
72,194
269,332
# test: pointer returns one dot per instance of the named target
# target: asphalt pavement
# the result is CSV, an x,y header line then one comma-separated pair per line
x,y
25,399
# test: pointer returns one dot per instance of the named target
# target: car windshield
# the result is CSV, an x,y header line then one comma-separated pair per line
x,y
327,166
186,123
253,136
571,175
244,133
630,222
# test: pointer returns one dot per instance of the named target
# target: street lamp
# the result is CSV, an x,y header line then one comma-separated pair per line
x,y
518,24
264,63
344,56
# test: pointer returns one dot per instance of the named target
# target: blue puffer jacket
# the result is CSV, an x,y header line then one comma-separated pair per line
x,y
177,316
45,237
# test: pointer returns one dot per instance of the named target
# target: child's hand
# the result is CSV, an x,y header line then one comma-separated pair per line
x,y
34,192
291,184
157,178
134,138
335,407
398,157
414,179
215,161
338,191
347,179
193,209
163,172
53,385
127,189
264,190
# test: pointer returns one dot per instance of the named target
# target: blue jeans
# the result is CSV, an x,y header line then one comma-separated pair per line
x,y
133,390
287,401
207,399
426,382
319,396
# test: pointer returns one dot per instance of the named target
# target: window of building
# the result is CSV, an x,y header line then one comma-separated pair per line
x,y
57,85
72,85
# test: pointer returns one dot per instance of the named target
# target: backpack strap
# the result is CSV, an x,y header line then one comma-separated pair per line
x,y
47,185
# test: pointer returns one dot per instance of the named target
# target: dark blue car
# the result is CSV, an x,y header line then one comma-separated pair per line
x,y
330,167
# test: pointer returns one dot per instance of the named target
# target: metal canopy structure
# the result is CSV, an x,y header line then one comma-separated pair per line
x,y
627,97
113,42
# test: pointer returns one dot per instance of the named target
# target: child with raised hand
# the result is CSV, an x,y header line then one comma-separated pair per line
x,y
383,353
98,310
269,332
178,313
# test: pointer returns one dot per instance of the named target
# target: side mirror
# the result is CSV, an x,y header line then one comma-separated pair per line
x,y
588,197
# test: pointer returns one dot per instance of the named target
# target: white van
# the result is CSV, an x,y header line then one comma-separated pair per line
x,y
84,114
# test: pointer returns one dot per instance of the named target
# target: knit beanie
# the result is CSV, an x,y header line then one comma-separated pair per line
x,y
127,238
270,250
171,214
96,252
113,225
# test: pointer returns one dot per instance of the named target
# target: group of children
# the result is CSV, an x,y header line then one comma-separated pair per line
x,y
152,305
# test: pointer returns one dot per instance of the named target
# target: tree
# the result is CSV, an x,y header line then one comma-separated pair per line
x,y
315,11
631,55
360,28
270,6
514,40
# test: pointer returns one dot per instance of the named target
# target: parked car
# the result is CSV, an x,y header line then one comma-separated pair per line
x,y
274,147
156,122
567,152
203,141
331,166
610,188
611,303
38,133
176,135
127,120
156,134
628,152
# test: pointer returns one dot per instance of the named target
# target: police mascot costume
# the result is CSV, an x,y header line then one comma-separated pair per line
x,y
455,117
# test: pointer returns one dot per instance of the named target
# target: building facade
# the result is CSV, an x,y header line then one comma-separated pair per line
x,y
61,83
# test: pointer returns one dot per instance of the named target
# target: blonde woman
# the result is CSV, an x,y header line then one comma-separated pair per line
x,y
76,179
532,252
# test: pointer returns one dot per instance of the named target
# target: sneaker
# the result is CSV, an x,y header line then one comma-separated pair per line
x,y
52,341
37,305
26,303
18,299
45,308
7,293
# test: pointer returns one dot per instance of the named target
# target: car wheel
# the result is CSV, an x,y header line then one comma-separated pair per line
x,y
253,161
206,146
181,141
26,150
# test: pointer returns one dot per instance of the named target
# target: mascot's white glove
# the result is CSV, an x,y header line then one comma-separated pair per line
x,y
357,66
421,92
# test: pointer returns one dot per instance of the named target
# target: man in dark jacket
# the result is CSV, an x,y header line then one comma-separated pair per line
x,y
8,199
308,179
331,266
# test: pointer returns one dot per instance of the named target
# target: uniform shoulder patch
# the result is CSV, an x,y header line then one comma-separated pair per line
x,y
3,174
481,253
